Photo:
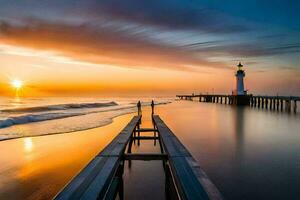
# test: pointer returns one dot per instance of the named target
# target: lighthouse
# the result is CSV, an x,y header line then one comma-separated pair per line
x,y
239,95
240,74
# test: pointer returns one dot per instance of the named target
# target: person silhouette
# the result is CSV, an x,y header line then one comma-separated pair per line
x,y
139,108
152,107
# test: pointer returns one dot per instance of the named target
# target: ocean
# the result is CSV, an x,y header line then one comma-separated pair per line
x,y
248,153
43,116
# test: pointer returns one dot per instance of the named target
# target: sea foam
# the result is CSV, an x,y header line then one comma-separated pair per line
x,y
61,118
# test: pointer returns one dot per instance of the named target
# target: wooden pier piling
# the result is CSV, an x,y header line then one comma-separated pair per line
x,y
278,103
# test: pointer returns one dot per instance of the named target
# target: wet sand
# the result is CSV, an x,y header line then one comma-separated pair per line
x,y
38,167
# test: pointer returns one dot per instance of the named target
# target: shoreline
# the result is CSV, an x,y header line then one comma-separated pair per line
x,y
60,156
105,123
59,133
63,117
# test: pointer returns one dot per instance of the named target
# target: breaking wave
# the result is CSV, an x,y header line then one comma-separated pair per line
x,y
59,107
61,118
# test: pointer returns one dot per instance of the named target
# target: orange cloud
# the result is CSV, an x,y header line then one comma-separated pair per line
x,y
105,45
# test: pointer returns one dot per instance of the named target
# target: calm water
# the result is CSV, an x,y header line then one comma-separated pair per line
x,y
248,153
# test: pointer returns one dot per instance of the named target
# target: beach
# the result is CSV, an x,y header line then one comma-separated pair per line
x,y
240,149
38,167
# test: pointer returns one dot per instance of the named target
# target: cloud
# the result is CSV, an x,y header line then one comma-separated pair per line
x,y
120,32
99,44
171,14
245,50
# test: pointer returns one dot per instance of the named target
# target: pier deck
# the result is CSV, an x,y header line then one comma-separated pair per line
x,y
282,103
102,177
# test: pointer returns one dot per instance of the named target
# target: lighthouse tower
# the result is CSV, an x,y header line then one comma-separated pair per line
x,y
240,74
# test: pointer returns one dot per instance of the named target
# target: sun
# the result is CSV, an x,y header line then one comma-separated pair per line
x,y
17,84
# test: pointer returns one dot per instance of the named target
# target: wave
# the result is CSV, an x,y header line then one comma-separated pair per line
x,y
65,125
34,118
45,112
59,107
66,120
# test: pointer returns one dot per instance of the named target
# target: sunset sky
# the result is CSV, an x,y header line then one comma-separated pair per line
x,y
148,47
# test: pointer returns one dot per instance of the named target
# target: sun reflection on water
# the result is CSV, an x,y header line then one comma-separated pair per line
x,y
28,145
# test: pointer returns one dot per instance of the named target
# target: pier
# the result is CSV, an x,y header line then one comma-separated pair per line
x,y
280,103
240,97
102,177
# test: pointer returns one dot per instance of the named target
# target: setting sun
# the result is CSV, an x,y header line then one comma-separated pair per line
x,y
17,84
